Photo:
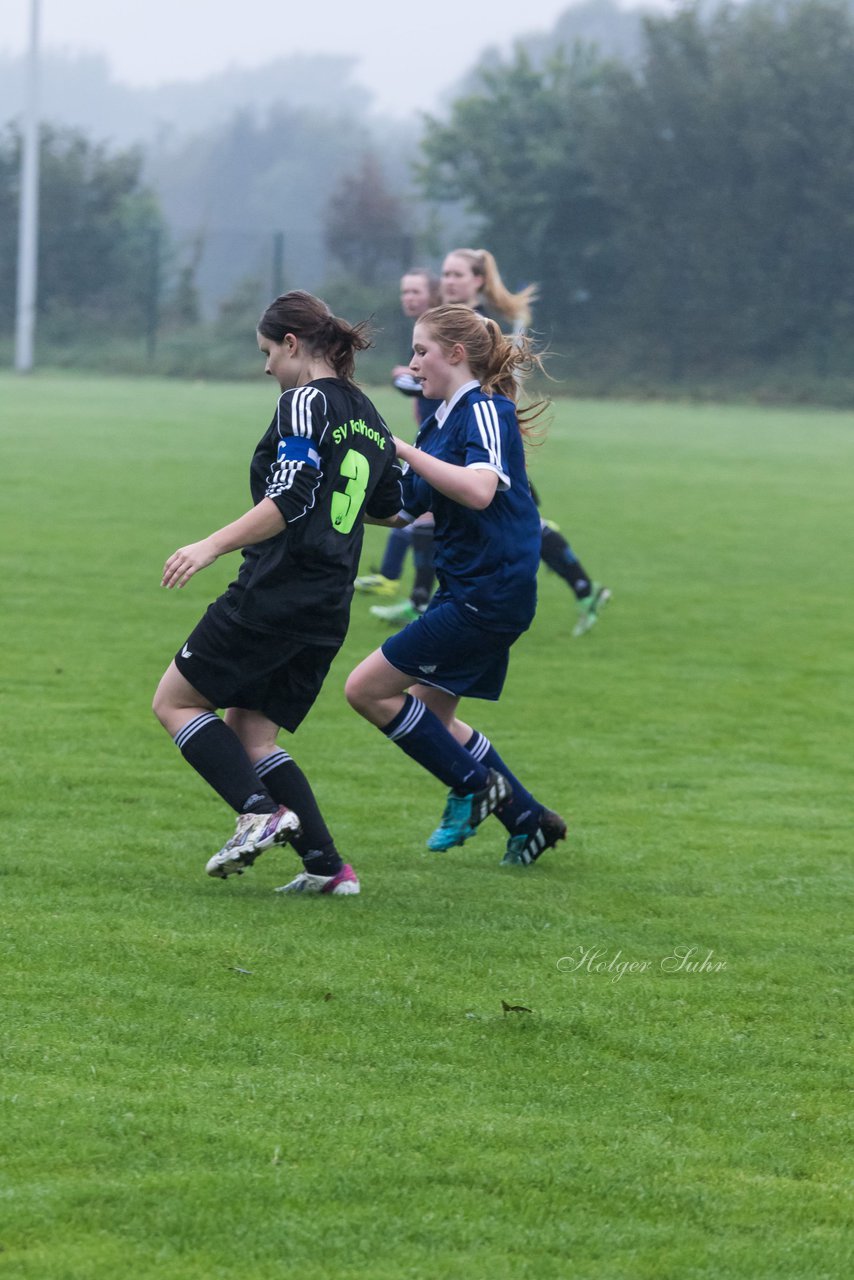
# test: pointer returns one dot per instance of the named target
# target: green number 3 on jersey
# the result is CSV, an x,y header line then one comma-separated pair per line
x,y
346,505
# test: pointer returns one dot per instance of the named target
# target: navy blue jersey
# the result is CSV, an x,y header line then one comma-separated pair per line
x,y
485,560
326,460
425,407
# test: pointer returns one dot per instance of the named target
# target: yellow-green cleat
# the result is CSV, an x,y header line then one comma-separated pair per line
x,y
375,584
589,608
396,615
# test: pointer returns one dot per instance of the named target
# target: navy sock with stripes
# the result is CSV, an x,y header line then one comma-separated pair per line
x,y
521,812
287,784
215,751
421,734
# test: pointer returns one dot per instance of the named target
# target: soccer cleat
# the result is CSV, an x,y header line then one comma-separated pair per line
x,y
464,814
397,614
588,609
255,833
375,584
525,848
343,882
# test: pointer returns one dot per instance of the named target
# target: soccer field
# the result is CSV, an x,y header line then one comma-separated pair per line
x,y
203,1080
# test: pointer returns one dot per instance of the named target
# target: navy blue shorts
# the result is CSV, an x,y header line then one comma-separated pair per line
x,y
233,665
447,648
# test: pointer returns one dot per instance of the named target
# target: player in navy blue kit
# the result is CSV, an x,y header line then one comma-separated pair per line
x,y
264,647
471,277
467,467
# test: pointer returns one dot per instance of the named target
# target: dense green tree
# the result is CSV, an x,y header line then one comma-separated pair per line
x,y
515,154
100,233
728,160
700,199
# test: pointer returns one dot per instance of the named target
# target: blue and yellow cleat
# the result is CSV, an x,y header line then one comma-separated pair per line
x,y
464,814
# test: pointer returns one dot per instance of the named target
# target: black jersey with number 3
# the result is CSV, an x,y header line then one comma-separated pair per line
x,y
326,460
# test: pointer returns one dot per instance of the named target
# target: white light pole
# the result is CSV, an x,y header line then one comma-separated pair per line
x,y
28,216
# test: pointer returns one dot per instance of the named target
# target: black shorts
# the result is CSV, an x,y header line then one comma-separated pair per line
x,y
233,665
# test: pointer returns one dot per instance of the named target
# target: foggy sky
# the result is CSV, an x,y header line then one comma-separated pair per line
x,y
408,53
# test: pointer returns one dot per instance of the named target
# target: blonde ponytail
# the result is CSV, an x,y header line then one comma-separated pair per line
x,y
501,363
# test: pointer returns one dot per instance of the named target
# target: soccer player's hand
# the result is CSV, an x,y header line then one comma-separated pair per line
x,y
183,563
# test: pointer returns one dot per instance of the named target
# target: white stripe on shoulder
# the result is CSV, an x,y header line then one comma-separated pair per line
x,y
303,397
486,417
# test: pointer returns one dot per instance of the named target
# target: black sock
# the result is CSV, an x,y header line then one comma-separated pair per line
x,y
560,558
317,863
422,552
215,751
287,784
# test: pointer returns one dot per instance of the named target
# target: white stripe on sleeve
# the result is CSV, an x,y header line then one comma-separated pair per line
x,y
486,417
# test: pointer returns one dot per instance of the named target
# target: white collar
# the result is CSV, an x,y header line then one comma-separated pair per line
x,y
447,405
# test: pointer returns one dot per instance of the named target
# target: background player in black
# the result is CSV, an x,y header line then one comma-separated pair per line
x,y
419,290
264,647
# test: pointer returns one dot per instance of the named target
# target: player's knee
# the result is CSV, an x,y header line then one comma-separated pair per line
x,y
356,692
352,690
160,706
163,704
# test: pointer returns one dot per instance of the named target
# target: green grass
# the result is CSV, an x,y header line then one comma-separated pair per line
x,y
202,1080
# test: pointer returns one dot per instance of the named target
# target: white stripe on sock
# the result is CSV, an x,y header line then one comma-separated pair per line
x,y
272,761
410,720
192,727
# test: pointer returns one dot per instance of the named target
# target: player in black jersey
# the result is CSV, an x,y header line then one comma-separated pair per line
x,y
264,647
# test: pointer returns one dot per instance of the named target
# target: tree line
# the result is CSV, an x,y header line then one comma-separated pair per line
x,y
696,207
688,211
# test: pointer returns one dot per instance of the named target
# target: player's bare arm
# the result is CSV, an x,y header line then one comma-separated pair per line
x,y
262,522
469,486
